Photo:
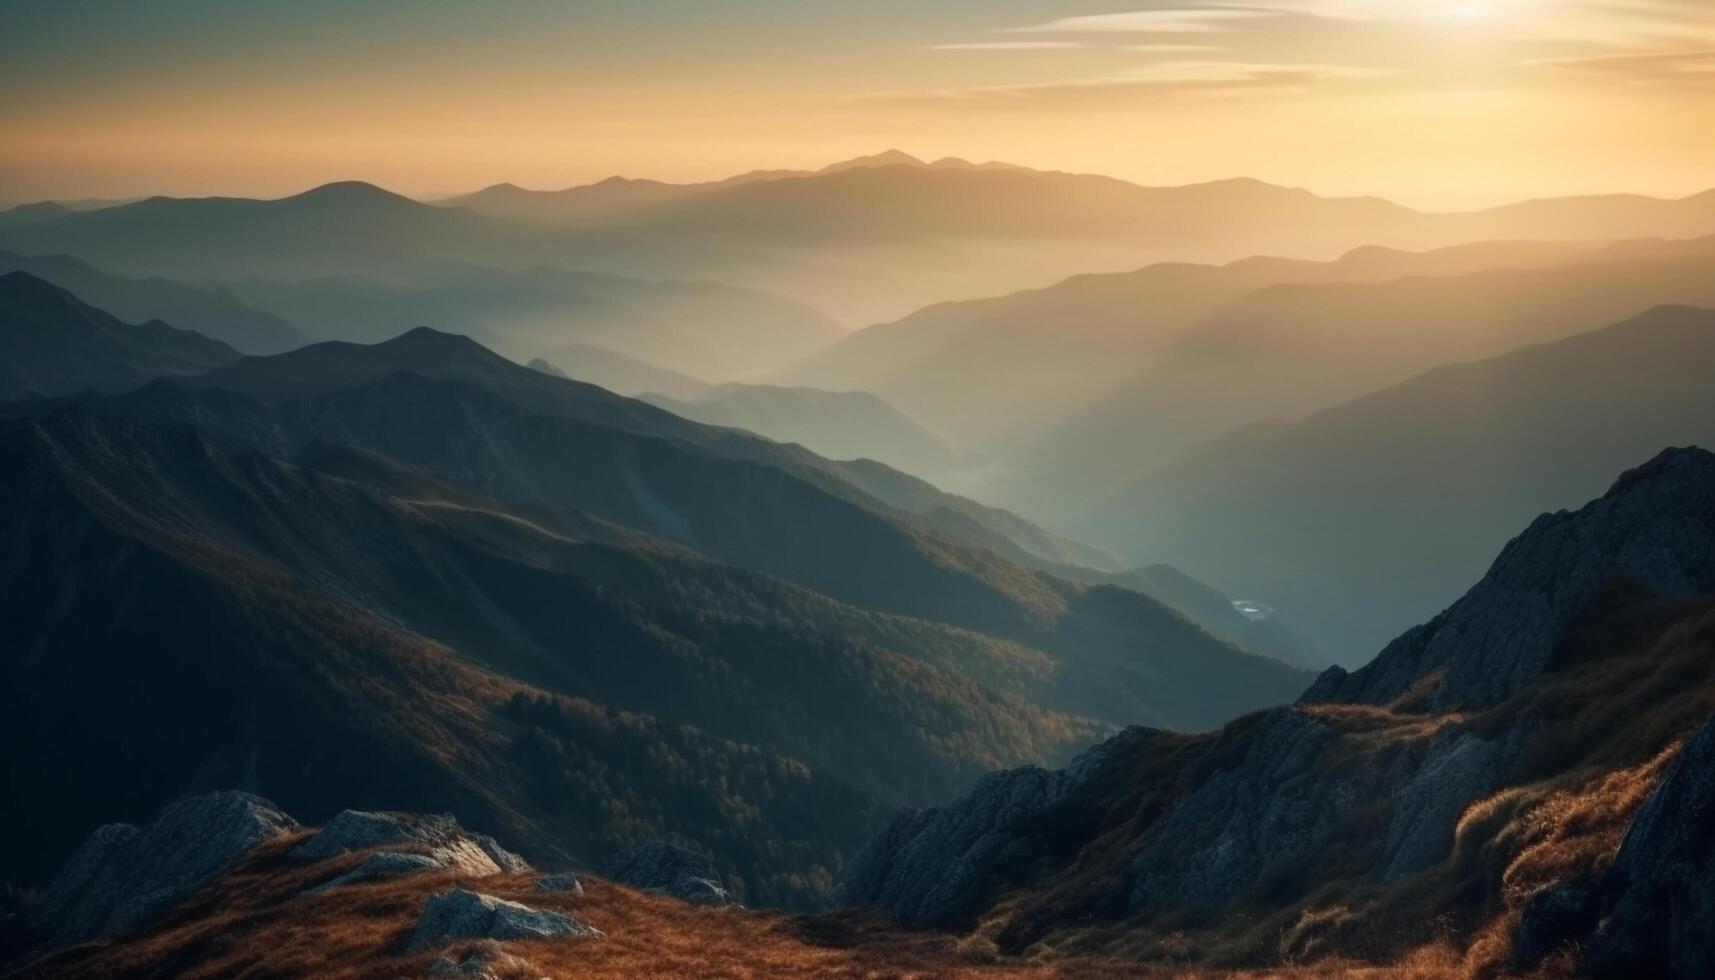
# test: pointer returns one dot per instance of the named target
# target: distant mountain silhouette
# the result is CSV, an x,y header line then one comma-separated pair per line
x,y
621,374
1056,349
1369,515
215,313
52,343
717,330
1289,349
836,424
865,242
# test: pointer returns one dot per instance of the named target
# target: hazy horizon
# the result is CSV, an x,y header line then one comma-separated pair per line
x,y
1344,97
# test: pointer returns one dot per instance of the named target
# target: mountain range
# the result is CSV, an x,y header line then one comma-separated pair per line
x,y
52,343
1519,786
525,597
863,243
1057,350
1373,512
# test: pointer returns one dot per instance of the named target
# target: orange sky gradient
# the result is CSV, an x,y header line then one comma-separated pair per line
x,y
1439,105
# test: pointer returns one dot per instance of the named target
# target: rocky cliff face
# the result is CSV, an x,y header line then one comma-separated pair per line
x,y
1654,528
936,866
1366,785
124,876
1660,910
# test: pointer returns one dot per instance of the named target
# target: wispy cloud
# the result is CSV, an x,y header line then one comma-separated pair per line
x,y
1185,20
1171,48
1224,78
1695,68
1007,46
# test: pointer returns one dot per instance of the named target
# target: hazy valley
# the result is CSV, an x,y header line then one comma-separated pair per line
x,y
482,496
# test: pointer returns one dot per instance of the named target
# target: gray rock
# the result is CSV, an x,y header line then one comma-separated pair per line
x,y
383,864
1274,804
505,860
1456,773
123,876
1662,917
464,914
565,881
933,866
668,869
1654,528
437,835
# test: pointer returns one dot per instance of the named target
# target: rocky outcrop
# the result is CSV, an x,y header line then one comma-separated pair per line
x,y
1661,919
1274,804
564,881
936,865
1456,772
668,869
123,876
464,914
437,838
380,866
1654,529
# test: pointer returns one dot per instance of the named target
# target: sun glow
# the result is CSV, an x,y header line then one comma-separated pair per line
x,y
1468,13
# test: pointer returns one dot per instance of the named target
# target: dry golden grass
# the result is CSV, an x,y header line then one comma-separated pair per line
x,y
254,923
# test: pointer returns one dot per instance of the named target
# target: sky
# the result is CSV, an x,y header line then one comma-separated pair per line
x,y
1435,103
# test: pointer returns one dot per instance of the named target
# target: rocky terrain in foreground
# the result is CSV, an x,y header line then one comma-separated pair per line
x,y
1526,779
1524,786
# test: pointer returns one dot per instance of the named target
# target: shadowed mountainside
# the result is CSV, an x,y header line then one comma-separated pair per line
x,y
1370,514
52,343
214,313
566,614
836,424
1445,795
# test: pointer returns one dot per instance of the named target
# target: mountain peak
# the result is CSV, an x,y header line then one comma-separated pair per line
x,y
350,193
19,285
428,338
886,158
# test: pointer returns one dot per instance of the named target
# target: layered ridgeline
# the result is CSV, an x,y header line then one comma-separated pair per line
x,y
866,241
52,343
1286,350
1373,514
417,575
1054,350
837,424
215,313
703,328
1524,777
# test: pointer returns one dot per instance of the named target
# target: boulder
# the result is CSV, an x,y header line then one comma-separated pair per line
x,y
565,881
380,865
668,869
124,876
464,914
438,836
